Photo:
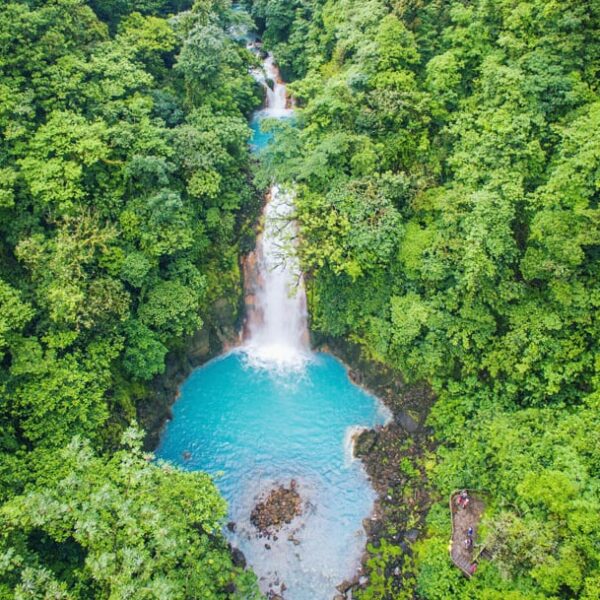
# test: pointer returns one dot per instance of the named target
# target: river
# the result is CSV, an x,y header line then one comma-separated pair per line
x,y
272,411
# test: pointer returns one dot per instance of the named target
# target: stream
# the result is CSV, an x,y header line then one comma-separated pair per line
x,y
272,411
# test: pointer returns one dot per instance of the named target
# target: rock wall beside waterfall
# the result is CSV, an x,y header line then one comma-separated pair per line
x,y
220,331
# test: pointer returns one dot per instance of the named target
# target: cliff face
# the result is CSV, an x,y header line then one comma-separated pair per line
x,y
220,332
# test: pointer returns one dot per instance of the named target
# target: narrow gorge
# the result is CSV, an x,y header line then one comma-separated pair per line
x,y
271,418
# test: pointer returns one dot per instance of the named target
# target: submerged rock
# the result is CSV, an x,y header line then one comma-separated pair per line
x,y
279,507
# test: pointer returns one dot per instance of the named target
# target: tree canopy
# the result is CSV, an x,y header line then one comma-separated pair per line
x,y
124,192
446,165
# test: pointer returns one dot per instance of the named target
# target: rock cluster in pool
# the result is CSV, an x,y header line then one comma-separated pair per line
x,y
278,508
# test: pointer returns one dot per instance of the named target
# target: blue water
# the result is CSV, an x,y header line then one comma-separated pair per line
x,y
260,139
252,428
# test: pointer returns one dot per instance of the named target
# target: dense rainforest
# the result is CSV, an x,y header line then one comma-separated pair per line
x,y
447,165
446,161
125,198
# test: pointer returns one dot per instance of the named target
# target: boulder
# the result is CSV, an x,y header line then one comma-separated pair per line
x,y
407,421
237,558
277,508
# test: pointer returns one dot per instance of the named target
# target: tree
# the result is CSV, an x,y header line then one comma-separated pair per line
x,y
116,526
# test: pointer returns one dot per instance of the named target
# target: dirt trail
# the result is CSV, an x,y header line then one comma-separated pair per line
x,y
463,518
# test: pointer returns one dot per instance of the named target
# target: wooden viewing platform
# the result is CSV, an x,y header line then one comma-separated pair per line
x,y
463,518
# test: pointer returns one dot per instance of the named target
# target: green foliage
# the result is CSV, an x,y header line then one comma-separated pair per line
x,y
122,182
447,165
380,557
112,528
124,175
14,314
145,354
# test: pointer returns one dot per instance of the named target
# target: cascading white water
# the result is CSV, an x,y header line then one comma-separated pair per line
x,y
276,331
277,103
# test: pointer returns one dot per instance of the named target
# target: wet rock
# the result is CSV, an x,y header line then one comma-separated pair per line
x,y
346,586
231,526
268,546
411,535
230,589
355,376
238,558
224,310
199,346
186,455
372,527
365,442
279,507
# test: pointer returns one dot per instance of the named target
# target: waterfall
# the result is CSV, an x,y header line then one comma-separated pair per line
x,y
276,331
278,105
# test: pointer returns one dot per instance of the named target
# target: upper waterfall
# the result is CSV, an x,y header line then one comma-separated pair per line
x,y
277,103
276,325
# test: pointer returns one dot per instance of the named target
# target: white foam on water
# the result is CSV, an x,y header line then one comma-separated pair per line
x,y
385,412
350,438
276,105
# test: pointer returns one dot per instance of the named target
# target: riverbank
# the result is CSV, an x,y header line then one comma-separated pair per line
x,y
396,458
219,333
